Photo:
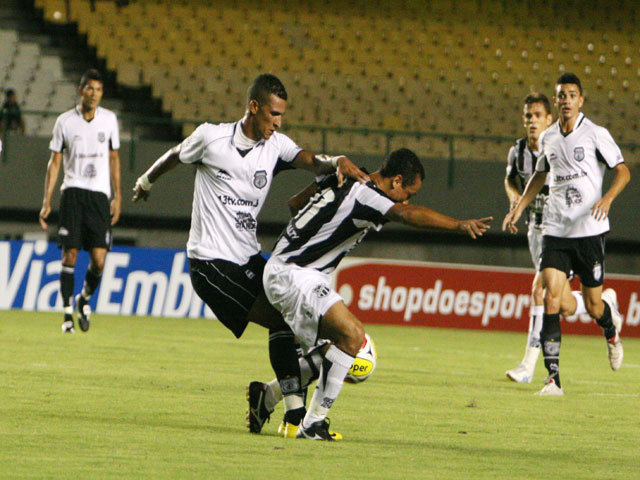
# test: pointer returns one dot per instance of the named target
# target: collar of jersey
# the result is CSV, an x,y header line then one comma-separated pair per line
x,y
579,121
233,134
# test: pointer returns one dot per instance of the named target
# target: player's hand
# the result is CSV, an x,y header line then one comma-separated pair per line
x,y
44,213
600,210
475,227
348,169
510,221
115,210
139,190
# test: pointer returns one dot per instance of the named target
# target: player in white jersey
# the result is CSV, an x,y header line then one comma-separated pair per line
x,y
333,221
574,152
86,142
521,162
236,163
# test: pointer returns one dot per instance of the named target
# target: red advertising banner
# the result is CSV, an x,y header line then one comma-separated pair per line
x,y
462,296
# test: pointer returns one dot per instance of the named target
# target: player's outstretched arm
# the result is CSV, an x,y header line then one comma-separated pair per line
x,y
600,210
423,217
53,170
325,164
166,162
536,182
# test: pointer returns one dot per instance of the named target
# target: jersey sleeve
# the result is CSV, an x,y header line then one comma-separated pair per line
x,y
114,141
192,147
368,196
607,151
512,171
289,150
57,140
542,164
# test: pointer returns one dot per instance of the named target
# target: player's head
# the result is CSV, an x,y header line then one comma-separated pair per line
x,y
568,97
402,175
536,115
266,104
90,89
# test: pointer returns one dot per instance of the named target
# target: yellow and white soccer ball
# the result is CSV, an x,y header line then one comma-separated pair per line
x,y
365,362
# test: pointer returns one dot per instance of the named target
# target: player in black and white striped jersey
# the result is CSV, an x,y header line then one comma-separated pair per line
x,y
335,220
574,152
521,163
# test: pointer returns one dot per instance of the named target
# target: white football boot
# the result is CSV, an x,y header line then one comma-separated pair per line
x,y
550,389
523,373
614,346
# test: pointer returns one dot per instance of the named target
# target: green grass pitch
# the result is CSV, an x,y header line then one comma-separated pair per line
x,y
139,398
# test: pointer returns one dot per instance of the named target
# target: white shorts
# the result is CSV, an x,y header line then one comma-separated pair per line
x,y
302,295
534,236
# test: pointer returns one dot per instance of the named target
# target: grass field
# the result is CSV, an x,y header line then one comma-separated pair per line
x,y
139,398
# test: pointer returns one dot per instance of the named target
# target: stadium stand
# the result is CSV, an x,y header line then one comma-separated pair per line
x,y
37,79
451,67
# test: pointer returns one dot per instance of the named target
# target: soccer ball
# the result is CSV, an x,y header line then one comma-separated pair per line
x,y
365,362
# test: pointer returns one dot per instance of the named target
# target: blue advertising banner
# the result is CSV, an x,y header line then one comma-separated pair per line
x,y
135,281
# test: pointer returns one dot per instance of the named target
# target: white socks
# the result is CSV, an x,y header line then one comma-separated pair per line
x,y
335,366
535,325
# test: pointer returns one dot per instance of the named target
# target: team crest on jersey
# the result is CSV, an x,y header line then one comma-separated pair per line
x,y
321,291
597,272
101,137
90,171
578,154
572,196
260,179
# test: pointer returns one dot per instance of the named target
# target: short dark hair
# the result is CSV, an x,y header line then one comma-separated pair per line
x,y
403,162
91,74
570,78
9,92
265,85
536,97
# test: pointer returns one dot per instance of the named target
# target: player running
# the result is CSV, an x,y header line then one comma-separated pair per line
x,y
574,152
521,163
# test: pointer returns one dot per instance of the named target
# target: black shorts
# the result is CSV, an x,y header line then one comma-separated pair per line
x,y
228,289
85,219
584,255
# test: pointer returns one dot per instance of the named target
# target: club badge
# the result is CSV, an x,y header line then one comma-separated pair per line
x,y
578,154
101,137
597,272
260,179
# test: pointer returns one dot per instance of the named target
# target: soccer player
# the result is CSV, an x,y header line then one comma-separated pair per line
x,y
86,141
574,152
236,165
521,163
335,219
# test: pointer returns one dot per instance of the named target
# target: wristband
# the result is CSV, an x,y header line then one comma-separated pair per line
x,y
333,161
144,183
